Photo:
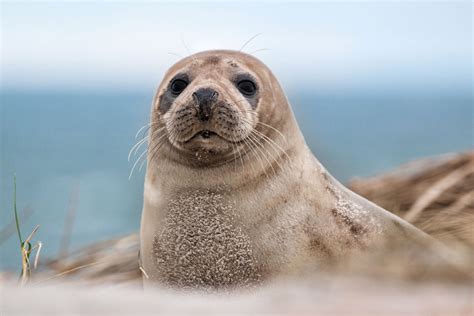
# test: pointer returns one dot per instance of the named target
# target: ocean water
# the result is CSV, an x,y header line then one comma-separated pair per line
x,y
69,150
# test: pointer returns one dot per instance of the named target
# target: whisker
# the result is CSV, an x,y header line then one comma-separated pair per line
x,y
142,164
240,155
187,49
235,155
249,40
258,50
258,146
175,54
135,164
273,128
274,156
270,141
159,143
252,148
137,146
144,127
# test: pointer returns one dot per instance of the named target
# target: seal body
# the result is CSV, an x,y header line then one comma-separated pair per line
x,y
233,196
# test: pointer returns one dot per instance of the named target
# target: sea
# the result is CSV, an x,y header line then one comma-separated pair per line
x,y
68,152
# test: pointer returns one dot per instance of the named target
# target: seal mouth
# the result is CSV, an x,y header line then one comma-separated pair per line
x,y
206,133
203,135
206,146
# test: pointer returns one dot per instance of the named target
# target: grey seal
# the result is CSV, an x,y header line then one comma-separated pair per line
x,y
234,197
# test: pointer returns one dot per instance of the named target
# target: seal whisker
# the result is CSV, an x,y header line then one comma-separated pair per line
x,y
235,155
137,146
253,112
248,41
146,160
159,142
274,155
142,164
254,146
271,142
143,153
136,162
240,155
175,54
256,154
249,146
187,49
144,127
259,147
273,128
258,50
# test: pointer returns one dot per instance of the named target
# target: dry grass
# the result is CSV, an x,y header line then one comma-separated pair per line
x,y
436,195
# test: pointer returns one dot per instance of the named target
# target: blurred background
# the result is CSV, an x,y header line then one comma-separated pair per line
x,y
373,85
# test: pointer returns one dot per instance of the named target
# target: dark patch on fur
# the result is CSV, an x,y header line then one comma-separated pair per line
x,y
167,98
233,64
211,60
316,245
328,186
165,102
356,229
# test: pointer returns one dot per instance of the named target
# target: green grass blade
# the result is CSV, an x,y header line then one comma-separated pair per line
x,y
16,211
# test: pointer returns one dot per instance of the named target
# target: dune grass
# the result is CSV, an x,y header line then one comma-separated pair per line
x,y
26,245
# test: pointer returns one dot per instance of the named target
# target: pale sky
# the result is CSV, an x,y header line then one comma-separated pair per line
x,y
325,46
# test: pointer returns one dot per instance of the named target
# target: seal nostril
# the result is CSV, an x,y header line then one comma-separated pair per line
x,y
206,134
195,98
214,96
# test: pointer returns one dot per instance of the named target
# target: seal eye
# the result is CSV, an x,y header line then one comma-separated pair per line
x,y
247,87
178,86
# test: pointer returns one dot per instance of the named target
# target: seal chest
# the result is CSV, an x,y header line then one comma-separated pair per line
x,y
202,245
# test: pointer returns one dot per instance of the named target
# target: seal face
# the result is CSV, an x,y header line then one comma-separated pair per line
x,y
208,108
233,196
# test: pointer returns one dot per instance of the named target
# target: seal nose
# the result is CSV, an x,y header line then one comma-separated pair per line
x,y
205,99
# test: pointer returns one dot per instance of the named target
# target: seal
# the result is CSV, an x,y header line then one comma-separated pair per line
x,y
233,196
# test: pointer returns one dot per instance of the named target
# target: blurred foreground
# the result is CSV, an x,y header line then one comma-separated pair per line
x,y
297,297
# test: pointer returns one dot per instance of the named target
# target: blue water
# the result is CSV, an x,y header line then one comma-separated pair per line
x,y
61,144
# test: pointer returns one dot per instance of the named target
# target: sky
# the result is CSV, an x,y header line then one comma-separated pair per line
x,y
327,47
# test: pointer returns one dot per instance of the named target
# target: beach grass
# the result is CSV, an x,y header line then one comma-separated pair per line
x,y
26,246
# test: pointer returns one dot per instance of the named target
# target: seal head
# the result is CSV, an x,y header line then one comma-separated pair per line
x,y
208,109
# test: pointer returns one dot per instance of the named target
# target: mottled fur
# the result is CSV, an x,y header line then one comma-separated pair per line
x,y
202,244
